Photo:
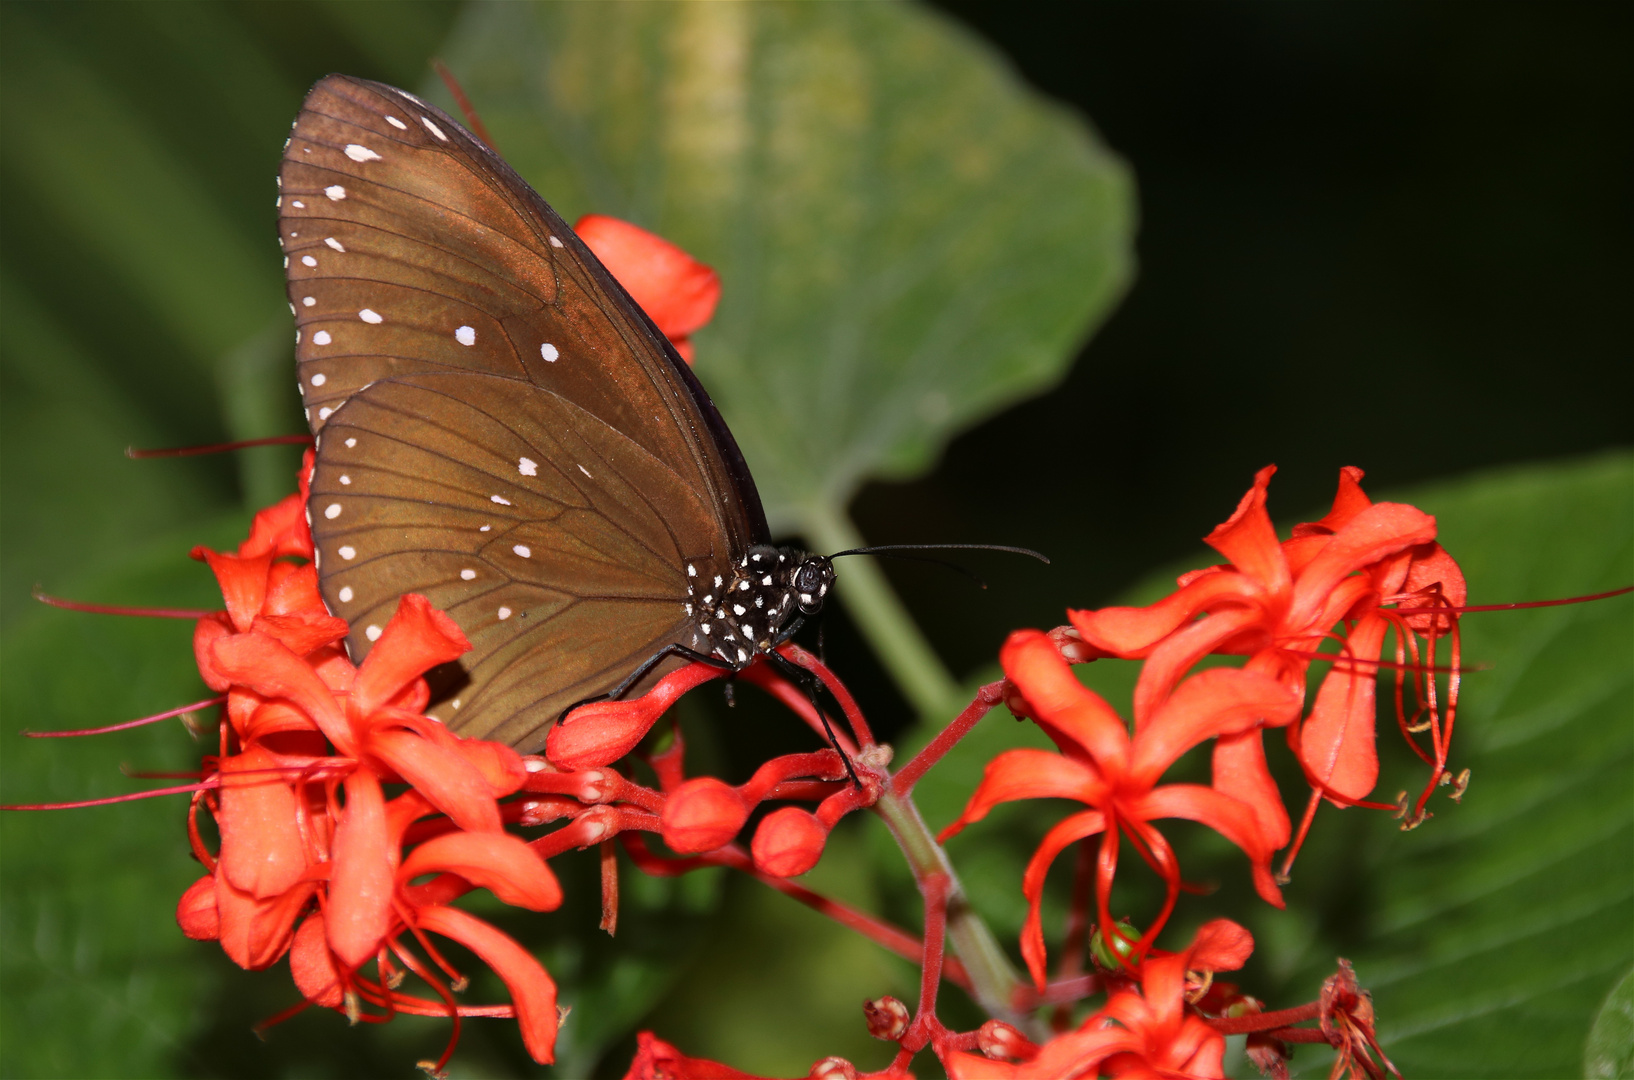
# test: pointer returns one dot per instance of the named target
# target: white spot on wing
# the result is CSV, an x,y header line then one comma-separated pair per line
x,y
396,123
372,633
548,351
335,192
321,338
555,242
307,260
527,467
360,153
504,613
369,315
586,473
500,499
348,552
522,550
323,413
468,575
434,129
332,242
308,301
350,443
465,335
332,511
346,594
298,204
346,481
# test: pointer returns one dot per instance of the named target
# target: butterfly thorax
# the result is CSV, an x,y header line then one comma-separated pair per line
x,y
758,604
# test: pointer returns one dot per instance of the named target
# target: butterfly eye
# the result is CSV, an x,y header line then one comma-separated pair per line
x,y
811,582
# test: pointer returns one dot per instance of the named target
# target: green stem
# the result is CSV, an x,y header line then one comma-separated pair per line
x,y
883,620
993,980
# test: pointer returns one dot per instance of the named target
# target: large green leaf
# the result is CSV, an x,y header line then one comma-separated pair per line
x,y
908,238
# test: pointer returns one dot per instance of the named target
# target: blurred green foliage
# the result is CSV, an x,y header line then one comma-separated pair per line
x,y
140,303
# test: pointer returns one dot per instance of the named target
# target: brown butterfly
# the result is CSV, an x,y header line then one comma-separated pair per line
x,y
500,428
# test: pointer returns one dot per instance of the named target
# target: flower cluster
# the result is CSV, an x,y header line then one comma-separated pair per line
x,y
348,822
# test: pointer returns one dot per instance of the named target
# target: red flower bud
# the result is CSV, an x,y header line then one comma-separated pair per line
x,y
788,843
196,912
1003,1042
832,1067
603,731
887,1017
702,815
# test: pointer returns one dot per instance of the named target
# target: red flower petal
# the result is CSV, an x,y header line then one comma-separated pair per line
x,y
1348,501
1028,774
206,632
1240,771
243,583
676,291
656,1059
312,965
417,638
1249,540
1032,662
1068,831
442,774
262,852
1337,743
280,529
499,765
1432,565
533,994
1377,532
360,887
196,911
301,634
259,663
254,932
1219,701
499,862
1131,633
1231,819
1219,945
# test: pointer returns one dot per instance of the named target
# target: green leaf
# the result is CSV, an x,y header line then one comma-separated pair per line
x,y
1609,1051
908,238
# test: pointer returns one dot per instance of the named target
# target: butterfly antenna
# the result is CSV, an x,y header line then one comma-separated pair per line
x,y
948,563
878,548
472,120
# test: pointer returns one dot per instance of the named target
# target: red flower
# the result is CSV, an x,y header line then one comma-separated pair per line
x,y
676,291
1102,766
1277,603
1144,1033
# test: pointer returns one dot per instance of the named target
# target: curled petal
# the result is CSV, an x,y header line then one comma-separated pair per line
x,y
206,632
243,583
293,590
303,633
313,967
603,731
499,862
501,766
417,638
280,529
1348,501
1231,819
1249,540
360,888
1028,774
1432,566
533,994
1219,701
258,662
656,1059
1337,744
441,773
1219,945
1057,698
255,931
1178,653
701,815
1374,534
1240,771
196,911
788,842
1133,632
1069,831
262,852
676,291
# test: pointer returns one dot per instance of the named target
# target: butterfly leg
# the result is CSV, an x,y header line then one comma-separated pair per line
x,y
811,683
641,672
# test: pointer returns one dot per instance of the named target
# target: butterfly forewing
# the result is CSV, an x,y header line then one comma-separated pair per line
x,y
500,428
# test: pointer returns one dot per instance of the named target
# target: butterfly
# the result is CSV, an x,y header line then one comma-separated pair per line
x,y
502,429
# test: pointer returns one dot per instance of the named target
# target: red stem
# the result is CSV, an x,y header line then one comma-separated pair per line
x,y
909,775
206,703
114,609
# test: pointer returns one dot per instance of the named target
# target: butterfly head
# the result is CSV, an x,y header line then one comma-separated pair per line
x,y
812,579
